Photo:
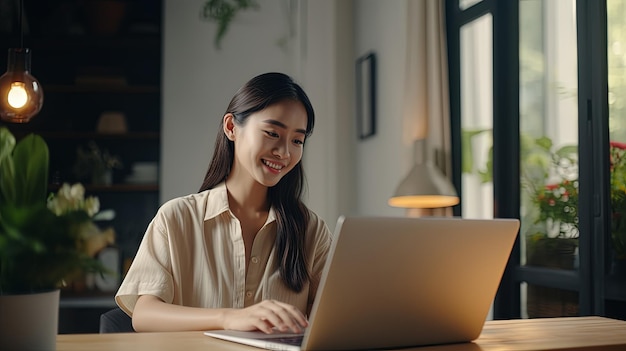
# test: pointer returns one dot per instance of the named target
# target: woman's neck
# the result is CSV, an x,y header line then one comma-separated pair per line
x,y
247,196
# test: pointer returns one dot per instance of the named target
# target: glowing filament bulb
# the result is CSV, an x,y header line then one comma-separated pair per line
x,y
17,96
21,96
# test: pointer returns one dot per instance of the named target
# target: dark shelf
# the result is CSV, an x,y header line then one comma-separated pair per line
x,y
100,136
79,296
87,302
123,188
116,188
132,41
103,88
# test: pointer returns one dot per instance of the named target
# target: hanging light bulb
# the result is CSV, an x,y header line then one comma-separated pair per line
x,y
21,96
17,96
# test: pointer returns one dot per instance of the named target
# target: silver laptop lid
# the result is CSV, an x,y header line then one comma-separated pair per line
x,y
396,281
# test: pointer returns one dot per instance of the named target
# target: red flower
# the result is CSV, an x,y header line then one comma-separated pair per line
x,y
617,144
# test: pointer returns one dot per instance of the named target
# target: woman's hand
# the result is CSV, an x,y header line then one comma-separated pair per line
x,y
266,316
152,314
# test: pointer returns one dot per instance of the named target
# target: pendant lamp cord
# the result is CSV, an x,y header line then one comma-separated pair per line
x,y
21,24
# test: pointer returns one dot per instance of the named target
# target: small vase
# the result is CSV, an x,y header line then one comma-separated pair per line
x,y
29,322
102,178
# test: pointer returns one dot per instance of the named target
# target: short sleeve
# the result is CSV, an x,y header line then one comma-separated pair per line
x,y
150,272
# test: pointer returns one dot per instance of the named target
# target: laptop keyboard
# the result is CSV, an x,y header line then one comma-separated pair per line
x,y
290,340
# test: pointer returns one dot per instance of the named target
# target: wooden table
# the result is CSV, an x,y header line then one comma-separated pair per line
x,y
572,333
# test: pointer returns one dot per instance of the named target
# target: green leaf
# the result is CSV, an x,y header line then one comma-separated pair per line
x,y
7,143
544,143
567,151
467,166
31,158
7,170
223,12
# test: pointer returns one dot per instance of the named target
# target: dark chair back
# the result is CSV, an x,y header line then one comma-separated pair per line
x,y
115,321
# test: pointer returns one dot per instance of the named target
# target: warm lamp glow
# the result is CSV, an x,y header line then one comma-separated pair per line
x,y
424,187
21,96
423,201
17,96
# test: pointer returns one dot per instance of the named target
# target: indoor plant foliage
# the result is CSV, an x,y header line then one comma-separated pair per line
x,y
94,164
223,12
618,199
557,202
43,239
550,178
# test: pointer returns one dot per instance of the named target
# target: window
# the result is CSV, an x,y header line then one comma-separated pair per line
x,y
538,136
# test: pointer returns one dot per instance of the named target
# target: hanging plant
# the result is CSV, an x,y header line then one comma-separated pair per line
x,y
223,12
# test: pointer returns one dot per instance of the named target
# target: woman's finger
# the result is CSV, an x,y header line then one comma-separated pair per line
x,y
284,316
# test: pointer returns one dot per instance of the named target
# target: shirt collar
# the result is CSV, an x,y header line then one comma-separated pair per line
x,y
217,203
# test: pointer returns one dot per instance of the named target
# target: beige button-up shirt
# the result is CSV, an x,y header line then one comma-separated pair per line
x,y
193,254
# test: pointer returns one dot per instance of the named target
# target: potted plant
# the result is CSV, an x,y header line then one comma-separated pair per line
x,y
549,199
44,240
554,240
95,165
550,178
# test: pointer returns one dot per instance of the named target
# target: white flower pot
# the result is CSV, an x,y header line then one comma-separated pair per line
x,y
29,322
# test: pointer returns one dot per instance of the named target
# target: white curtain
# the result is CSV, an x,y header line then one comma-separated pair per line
x,y
426,112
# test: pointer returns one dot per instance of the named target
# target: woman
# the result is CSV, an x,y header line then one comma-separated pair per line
x,y
244,253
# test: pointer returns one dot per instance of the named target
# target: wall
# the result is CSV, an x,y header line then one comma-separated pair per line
x,y
381,162
345,176
327,68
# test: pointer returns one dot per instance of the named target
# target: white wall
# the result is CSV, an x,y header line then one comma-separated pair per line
x,y
345,176
327,68
382,161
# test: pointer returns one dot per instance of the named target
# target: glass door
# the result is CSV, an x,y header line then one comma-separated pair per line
x,y
539,133
548,99
477,120
615,282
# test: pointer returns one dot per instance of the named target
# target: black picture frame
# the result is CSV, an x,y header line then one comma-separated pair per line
x,y
366,95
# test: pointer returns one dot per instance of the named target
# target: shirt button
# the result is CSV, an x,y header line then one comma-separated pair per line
x,y
248,294
255,260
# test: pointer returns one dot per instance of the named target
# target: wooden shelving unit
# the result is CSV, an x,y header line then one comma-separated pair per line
x,y
84,75
108,89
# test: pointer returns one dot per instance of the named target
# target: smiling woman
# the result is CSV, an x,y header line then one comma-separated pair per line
x,y
275,136
243,253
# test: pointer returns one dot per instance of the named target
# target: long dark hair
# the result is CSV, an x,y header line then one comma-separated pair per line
x,y
292,215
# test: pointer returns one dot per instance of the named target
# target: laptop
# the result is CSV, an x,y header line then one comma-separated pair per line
x,y
393,282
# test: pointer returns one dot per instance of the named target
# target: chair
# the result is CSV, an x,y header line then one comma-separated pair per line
x,y
115,321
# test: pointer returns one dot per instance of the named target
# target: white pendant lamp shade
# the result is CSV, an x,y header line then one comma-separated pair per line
x,y
425,186
21,95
